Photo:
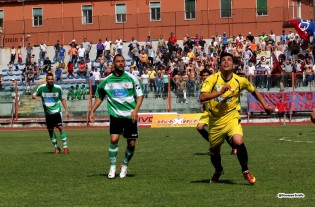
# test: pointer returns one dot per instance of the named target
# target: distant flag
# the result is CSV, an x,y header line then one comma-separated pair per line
x,y
276,69
304,28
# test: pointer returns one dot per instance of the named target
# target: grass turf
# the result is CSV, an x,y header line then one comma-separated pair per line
x,y
170,168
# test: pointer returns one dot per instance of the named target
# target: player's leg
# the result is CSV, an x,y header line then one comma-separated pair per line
x,y
63,134
216,139
203,121
230,142
131,133
130,149
53,139
115,129
113,152
50,127
202,131
215,158
242,157
64,139
131,145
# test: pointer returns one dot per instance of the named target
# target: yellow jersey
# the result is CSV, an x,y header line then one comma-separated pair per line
x,y
228,101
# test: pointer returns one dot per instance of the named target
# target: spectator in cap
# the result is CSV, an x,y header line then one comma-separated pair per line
x,y
250,37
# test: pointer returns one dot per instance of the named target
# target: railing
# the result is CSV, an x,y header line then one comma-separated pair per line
x,y
182,95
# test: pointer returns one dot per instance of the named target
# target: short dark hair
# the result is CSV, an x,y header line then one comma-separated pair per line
x,y
49,74
118,55
205,71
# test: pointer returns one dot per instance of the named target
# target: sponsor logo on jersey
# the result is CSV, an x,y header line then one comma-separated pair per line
x,y
119,93
47,95
49,100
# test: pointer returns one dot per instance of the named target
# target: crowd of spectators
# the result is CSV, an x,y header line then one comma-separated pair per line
x,y
184,63
179,62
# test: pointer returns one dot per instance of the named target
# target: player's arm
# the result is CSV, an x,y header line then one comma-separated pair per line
x,y
97,103
206,96
36,95
259,98
139,99
134,113
37,98
65,106
99,97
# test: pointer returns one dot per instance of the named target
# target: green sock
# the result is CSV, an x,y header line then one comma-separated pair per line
x,y
63,136
128,155
113,151
54,140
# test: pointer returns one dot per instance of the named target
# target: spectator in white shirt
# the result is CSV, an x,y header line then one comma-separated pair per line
x,y
119,44
107,44
81,53
97,76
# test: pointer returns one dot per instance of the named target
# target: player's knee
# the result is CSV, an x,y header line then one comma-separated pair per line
x,y
132,143
214,152
199,127
238,139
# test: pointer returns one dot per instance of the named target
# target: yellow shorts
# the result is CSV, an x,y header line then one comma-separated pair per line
x,y
219,130
204,119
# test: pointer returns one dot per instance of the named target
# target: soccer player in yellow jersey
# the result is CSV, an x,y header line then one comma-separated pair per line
x,y
222,90
204,119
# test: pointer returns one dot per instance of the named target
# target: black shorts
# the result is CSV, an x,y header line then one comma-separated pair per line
x,y
123,126
53,120
280,114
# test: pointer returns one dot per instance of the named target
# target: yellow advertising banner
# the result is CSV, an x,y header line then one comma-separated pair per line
x,y
175,120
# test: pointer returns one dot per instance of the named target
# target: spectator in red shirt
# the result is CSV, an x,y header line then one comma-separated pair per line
x,y
171,43
172,38
82,68
70,67
281,109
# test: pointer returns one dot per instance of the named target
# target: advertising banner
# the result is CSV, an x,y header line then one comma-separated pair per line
x,y
145,119
175,120
295,101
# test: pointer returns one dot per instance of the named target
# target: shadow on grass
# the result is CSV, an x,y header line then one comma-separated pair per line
x,y
201,153
105,175
228,182
45,153
206,154
201,181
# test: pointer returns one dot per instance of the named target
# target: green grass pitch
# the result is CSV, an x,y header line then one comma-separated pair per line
x,y
170,168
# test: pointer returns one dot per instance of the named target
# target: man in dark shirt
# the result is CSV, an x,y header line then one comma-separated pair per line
x,y
56,47
29,50
250,37
47,64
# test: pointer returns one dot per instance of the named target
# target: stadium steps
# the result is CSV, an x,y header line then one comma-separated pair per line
x,y
28,104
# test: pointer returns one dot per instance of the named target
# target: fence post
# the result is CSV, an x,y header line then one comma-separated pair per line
x,y
169,94
12,113
90,104
293,80
16,100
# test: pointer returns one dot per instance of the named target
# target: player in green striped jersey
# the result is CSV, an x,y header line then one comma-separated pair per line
x,y
51,97
124,96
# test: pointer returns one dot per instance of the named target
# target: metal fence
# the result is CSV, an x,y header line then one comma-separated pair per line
x,y
171,97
